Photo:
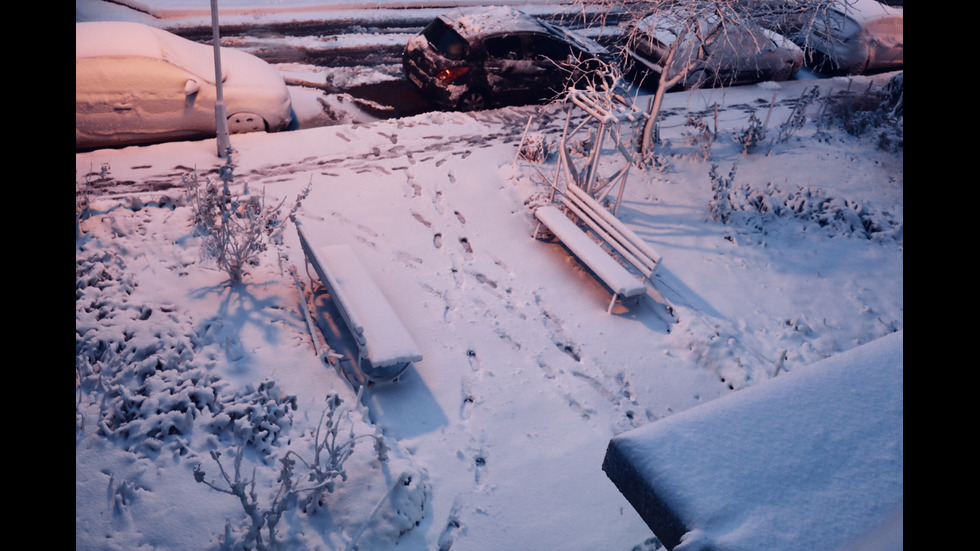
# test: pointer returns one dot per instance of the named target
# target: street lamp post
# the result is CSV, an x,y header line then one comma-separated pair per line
x,y
220,116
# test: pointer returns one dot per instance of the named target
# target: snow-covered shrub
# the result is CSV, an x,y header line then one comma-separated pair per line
x,y
580,147
879,110
401,510
892,133
139,363
658,160
236,229
143,403
750,137
536,148
797,117
82,191
256,417
894,96
698,136
301,481
720,205
756,209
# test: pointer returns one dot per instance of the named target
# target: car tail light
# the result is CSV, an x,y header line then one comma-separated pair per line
x,y
450,74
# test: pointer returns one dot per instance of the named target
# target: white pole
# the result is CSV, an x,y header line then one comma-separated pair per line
x,y
220,116
523,137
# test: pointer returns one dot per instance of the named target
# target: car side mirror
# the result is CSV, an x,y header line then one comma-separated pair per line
x,y
191,87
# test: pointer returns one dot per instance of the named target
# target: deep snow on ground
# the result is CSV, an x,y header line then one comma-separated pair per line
x,y
495,439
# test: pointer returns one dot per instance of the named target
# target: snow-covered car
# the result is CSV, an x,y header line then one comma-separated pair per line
x,y
472,58
713,51
855,37
136,84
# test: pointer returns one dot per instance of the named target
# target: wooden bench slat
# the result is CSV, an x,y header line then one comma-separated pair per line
x,y
643,256
619,235
603,233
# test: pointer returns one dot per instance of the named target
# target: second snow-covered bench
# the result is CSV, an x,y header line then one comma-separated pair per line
x,y
584,226
385,348
620,281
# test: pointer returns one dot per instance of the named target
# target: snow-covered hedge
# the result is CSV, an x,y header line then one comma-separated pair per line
x,y
755,209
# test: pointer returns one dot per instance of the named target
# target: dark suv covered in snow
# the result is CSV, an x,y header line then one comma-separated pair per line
x,y
474,58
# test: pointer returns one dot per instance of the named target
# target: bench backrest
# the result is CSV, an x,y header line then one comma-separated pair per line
x,y
612,230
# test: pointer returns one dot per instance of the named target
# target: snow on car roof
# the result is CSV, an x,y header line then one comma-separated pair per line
x,y
470,22
127,39
476,21
864,11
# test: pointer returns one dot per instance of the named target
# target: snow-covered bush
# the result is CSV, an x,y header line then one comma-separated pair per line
x,y
720,205
335,439
236,229
401,510
255,417
894,96
135,362
750,137
797,117
878,110
756,209
143,366
892,133
536,148
698,136
580,147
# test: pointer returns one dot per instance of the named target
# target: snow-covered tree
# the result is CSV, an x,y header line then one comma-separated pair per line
x,y
684,27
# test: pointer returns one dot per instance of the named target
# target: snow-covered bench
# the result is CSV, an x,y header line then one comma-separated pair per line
x,y
385,348
581,214
618,279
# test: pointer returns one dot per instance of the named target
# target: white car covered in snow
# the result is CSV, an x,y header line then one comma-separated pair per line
x,y
852,37
136,84
713,51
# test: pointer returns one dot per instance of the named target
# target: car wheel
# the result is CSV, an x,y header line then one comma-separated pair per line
x,y
474,100
239,123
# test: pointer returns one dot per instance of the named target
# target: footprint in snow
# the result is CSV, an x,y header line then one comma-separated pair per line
x,y
466,245
422,219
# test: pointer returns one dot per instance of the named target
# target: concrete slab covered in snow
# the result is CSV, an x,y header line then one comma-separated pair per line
x,y
810,460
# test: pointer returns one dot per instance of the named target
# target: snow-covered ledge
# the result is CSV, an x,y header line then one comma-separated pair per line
x,y
811,460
